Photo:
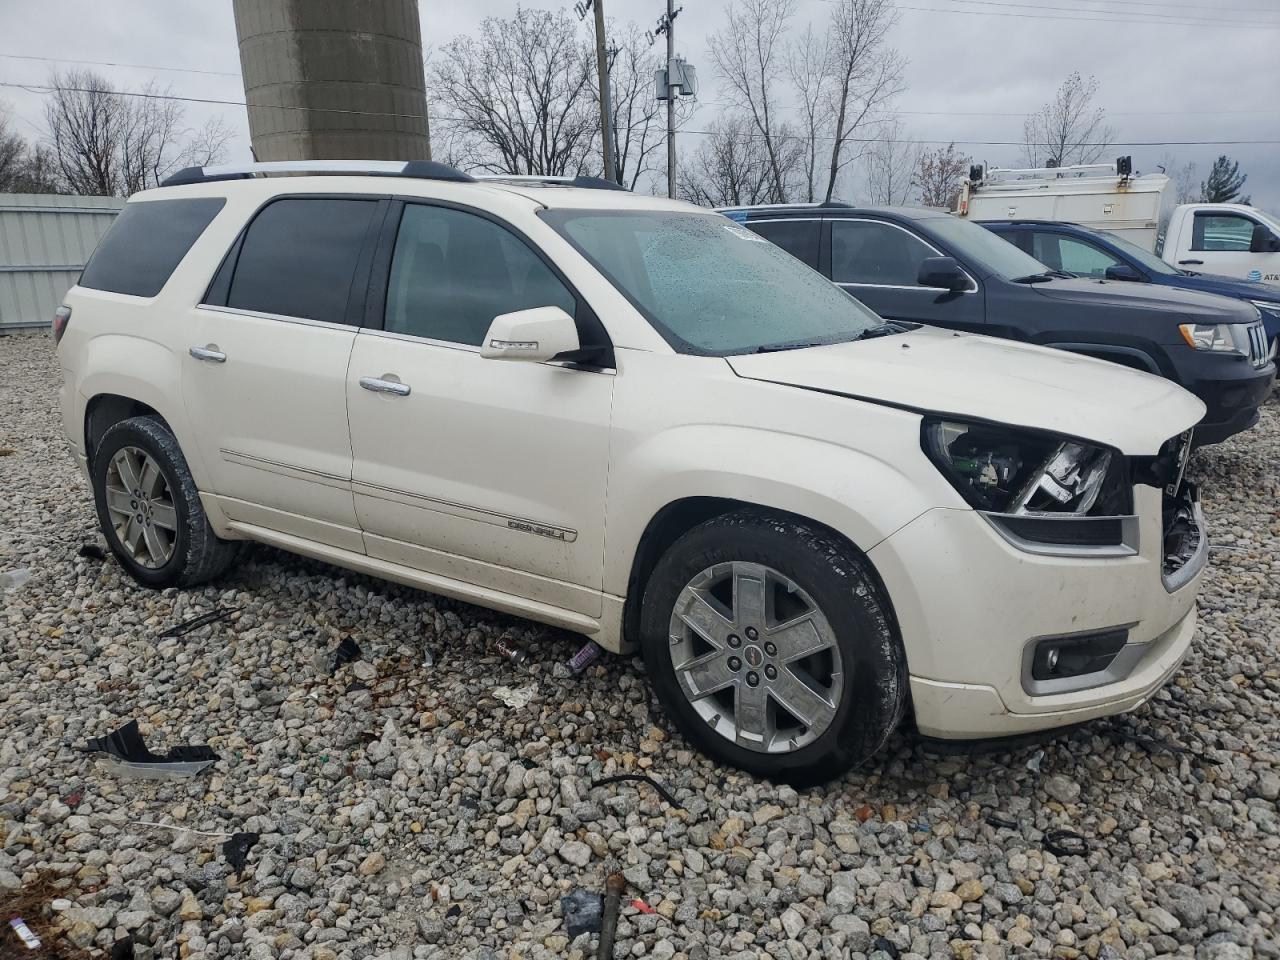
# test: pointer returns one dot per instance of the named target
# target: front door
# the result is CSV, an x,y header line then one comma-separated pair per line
x,y
1222,243
878,263
491,472
265,377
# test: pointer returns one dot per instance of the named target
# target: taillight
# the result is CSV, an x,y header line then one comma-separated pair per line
x,y
61,317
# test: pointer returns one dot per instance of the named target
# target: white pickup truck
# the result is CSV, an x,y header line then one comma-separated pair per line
x,y
1228,239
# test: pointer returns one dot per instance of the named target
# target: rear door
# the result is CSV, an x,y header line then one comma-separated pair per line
x,y
799,237
878,263
490,472
265,377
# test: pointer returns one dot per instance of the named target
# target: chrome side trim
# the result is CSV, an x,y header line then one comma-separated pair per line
x,y
285,469
278,317
1128,546
465,511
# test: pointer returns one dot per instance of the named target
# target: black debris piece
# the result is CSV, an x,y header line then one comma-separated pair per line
x,y
122,949
91,551
995,820
195,623
583,912
663,791
130,755
347,651
236,850
880,943
453,911
1065,843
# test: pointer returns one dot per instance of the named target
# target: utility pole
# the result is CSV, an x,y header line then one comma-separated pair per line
x,y
602,76
671,100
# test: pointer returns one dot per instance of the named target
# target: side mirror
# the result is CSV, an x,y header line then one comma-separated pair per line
x,y
536,335
1122,271
1263,240
942,273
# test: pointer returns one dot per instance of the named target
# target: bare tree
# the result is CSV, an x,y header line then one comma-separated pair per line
x,y
866,75
114,143
730,168
1069,129
939,175
750,54
638,129
809,65
1185,177
13,154
890,164
520,93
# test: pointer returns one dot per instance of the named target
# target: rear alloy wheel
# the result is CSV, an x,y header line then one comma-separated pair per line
x,y
769,645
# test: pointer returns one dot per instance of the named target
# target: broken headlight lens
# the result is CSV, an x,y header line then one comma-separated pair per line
x,y
1010,471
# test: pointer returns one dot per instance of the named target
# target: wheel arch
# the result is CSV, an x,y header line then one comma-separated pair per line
x,y
104,410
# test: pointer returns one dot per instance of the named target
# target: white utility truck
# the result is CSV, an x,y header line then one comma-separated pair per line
x,y
1230,239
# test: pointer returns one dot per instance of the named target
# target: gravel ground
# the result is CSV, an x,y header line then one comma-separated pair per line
x,y
440,806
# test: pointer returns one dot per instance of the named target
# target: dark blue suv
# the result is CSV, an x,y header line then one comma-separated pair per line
x,y
1104,256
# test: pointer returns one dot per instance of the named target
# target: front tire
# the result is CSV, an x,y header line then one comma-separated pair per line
x,y
768,643
149,509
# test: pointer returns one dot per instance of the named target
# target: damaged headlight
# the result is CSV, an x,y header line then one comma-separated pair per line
x,y
1037,487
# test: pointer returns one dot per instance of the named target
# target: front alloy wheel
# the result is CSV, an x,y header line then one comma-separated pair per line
x,y
756,657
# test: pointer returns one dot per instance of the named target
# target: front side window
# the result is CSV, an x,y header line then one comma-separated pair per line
x,y
146,243
865,251
1072,255
298,258
1221,231
709,285
798,237
452,272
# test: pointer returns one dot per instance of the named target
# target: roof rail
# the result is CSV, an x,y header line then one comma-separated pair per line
x,y
814,204
421,169
589,183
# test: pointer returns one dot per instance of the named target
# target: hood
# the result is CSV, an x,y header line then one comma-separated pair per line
x,y
962,375
1229,286
1121,295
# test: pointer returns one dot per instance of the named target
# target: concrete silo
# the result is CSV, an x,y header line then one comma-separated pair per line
x,y
333,79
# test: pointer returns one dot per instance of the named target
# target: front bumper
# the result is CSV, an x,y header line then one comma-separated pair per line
x,y
968,604
1232,389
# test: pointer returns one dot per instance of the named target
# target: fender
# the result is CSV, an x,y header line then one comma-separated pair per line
x,y
1139,359
860,496
141,370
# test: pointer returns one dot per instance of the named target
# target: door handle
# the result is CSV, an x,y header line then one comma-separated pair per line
x,y
377,385
208,354
1191,263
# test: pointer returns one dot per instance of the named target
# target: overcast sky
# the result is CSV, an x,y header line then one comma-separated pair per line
x,y
974,66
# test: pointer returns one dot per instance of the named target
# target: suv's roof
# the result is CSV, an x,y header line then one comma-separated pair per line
x,y
762,211
410,178
1032,222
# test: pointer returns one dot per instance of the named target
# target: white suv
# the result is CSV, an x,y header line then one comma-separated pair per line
x,y
635,419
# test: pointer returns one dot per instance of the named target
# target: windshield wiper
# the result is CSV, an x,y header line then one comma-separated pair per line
x,y
790,345
886,329
1046,277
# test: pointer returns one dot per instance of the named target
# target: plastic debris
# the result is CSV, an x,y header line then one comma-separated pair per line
x,y
13,579
24,933
642,906
195,623
236,850
588,654
613,887
582,912
1065,843
91,551
1034,763
641,778
122,949
347,651
127,754
999,822
505,647
519,697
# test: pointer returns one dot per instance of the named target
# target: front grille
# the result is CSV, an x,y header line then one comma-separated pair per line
x,y
1259,349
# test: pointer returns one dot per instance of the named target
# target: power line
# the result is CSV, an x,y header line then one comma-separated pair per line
x,y
39,88
1162,5
1151,17
1034,16
111,63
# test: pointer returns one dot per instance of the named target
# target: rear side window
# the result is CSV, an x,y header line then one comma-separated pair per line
x,y
876,254
146,243
298,258
798,237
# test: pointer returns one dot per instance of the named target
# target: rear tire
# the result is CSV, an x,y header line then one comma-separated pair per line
x,y
802,704
149,508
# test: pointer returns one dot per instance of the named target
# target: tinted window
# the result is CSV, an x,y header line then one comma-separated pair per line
x,y
863,251
798,237
146,243
1074,256
709,285
1221,231
299,256
453,272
